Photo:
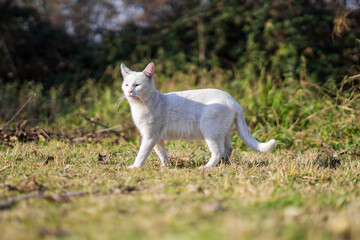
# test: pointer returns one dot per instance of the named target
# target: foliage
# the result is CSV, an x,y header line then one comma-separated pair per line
x,y
277,37
299,114
34,49
274,36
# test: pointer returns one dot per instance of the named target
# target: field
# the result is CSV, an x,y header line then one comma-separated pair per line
x,y
281,195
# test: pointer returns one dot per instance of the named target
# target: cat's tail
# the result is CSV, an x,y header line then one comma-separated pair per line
x,y
246,136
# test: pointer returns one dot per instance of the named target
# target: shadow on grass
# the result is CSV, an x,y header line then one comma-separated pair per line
x,y
192,164
183,163
327,160
258,163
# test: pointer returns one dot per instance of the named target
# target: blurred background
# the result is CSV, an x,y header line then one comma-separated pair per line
x,y
292,65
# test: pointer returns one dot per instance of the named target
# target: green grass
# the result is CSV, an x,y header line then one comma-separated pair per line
x,y
280,195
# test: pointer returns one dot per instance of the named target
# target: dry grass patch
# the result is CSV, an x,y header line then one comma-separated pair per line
x,y
281,195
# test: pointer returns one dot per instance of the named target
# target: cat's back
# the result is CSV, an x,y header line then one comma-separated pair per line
x,y
201,96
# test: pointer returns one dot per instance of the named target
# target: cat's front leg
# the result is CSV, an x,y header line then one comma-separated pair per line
x,y
147,144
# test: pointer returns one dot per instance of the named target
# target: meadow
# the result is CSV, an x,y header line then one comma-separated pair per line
x,y
281,195
307,188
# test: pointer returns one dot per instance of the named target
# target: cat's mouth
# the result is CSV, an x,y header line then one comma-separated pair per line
x,y
136,97
130,95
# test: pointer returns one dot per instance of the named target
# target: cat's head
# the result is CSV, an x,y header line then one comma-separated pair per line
x,y
138,85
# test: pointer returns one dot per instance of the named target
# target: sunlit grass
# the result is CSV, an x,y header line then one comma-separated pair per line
x,y
280,195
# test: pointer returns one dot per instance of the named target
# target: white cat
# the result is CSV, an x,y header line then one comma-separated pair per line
x,y
193,114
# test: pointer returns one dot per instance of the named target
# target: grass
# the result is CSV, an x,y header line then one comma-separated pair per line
x,y
281,195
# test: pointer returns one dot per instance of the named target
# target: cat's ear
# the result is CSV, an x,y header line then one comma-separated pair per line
x,y
150,70
125,70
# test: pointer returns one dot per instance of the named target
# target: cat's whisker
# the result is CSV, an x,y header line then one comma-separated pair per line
x,y
120,100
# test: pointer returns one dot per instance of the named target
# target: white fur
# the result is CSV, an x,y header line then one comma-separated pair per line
x,y
195,114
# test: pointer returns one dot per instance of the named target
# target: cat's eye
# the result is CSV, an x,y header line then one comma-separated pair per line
x,y
136,85
127,85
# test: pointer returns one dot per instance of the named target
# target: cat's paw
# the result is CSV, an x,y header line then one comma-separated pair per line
x,y
133,166
206,167
163,165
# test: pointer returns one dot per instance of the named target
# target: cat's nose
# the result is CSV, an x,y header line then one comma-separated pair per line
x,y
130,91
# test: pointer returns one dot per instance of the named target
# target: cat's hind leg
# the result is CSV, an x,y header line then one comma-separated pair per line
x,y
216,147
215,125
161,152
228,149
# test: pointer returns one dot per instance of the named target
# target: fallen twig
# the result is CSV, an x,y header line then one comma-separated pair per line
x,y
102,125
11,203
44,133
19,111
4,168
107,129
55,197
